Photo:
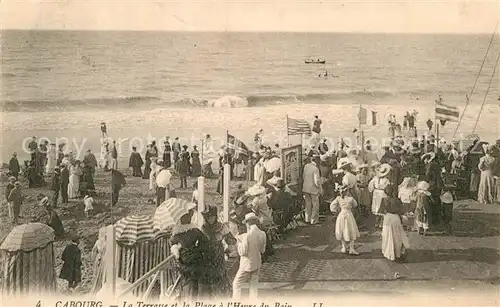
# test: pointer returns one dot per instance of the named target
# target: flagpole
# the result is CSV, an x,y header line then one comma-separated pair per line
x,y
359,126
287,134
202,149
436,142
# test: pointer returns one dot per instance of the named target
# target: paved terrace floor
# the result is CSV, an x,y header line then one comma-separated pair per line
x,y
308,260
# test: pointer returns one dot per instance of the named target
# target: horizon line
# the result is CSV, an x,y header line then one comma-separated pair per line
x,y
247,31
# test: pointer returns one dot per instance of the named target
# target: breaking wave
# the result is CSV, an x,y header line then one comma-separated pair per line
x,y
228,101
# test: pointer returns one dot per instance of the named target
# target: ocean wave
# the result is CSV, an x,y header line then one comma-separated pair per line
x,y
227,101
65,104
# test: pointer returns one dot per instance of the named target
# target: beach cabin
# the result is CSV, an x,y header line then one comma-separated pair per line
x,y
139,247
28,260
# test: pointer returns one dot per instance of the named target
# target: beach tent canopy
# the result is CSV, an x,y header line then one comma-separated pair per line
x,y
170,212
28,237
136,228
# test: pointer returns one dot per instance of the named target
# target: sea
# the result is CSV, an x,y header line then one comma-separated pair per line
x,y
189,83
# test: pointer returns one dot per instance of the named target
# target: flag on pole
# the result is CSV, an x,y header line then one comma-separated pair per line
x,y
363,117
446,112
236,147
298,126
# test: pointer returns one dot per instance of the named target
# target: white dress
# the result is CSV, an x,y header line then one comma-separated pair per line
x,y
51,160
346,228
74,182
394,239
152,176
259,171
377,186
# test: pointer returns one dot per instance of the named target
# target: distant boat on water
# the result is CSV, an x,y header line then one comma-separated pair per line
x,y
318,61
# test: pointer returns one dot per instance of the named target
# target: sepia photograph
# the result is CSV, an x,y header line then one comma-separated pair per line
x,y
249,153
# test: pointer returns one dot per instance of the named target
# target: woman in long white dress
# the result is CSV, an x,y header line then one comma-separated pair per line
x,y
51,159
152,174
394,239
259,171
346,229
486,192
377,186
75,172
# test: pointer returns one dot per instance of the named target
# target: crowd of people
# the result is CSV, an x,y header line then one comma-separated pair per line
x,y
412,185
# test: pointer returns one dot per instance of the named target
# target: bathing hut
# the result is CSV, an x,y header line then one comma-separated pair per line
x,y
28,261
140,247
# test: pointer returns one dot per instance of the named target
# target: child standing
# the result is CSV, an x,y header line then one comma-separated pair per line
x,y
346,229
423,207
405,194
89,205
447,206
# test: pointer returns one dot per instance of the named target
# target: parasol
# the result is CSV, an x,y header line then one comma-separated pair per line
x,y
273,165
170,212
163,178
28,237
135,228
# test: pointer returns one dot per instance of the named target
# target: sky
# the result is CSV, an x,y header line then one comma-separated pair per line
x,y
452,16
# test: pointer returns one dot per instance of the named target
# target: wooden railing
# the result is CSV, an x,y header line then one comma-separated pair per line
x,y
163,271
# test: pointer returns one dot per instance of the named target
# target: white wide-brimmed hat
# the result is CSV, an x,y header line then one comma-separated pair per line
x,y
428,156
423,186
250,216
256,190
383,170
447,198
343,162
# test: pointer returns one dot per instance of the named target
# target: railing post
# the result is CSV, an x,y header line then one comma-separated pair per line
x,y
227,179
110,255
201,200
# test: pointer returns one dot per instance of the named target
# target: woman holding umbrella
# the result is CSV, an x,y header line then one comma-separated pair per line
x,y
216,280
189,246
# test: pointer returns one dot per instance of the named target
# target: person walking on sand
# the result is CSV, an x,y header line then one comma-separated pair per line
x,y
114,156
312,190
33,147
8,189
51,159
65,175
117,182
346,229
167,153
75,171
16,200
251,246
135,162
90,161
104,130
56,186
71,270
176,148
14,167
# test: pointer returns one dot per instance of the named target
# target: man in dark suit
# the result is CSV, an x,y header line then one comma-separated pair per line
x,y
64,184
117,182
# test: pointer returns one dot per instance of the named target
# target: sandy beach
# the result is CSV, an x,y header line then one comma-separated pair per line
x,y
80,129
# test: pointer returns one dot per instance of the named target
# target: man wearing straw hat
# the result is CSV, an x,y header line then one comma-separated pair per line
x,y
312,189
251,246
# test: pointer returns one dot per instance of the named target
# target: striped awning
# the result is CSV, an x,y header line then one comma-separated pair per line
x,y
135,228
28,237
170,212
446,112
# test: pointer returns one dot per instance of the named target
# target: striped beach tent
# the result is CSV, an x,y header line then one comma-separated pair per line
x,y
446,112
135,228
170,212
27,261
